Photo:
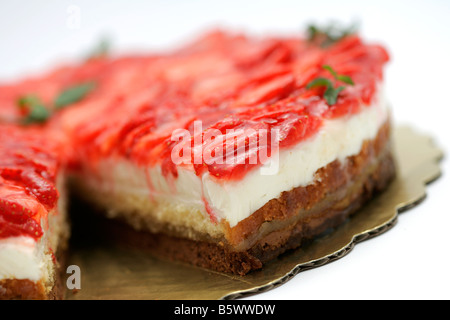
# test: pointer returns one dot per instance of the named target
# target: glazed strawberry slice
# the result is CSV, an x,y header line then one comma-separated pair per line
x,y
27,156
13,211
276,88
9,173
293,127
28,168
247,54
132,131
41,188
20,213
29,228
33,183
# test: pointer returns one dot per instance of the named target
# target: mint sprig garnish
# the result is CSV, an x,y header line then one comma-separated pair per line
x,y
73,94
33,108
35,111
28,100
340,77
330,34
101,50
331,92
38,114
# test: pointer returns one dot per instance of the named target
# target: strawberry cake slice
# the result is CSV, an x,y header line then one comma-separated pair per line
x,y
233,149
33,225
226,152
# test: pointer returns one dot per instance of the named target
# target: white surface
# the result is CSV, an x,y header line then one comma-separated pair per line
x,y
408,262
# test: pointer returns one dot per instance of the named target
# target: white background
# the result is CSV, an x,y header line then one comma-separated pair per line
x,y
412,260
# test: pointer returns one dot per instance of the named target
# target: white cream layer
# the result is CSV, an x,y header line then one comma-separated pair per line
x,y
236,200
22,258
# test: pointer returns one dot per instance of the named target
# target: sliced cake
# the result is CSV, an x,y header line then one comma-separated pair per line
x,y
33,223
234,149
226,152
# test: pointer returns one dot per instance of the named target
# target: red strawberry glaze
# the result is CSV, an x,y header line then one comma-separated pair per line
x,y
28,169
227,81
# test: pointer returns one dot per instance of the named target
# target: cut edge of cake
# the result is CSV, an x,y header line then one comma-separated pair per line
x,y
180,228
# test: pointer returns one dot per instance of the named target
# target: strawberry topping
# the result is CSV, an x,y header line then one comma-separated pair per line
x,y
249,95
27,185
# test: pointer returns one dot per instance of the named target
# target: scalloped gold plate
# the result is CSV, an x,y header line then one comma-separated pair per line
x,y
108,272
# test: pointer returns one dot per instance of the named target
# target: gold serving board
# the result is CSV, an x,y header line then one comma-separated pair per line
x,y
110,272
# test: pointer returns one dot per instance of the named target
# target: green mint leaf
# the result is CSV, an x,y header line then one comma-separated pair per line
x,y
38,114
28,100
319,82
35,111
101,50
345,79
312,32
328,68
73,94
330,34
340,77
331,94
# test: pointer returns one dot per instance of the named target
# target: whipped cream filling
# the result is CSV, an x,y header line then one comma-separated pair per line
x,y
236,200
22,258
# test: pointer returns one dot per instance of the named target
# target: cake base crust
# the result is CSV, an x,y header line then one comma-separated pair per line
x,y
25,289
